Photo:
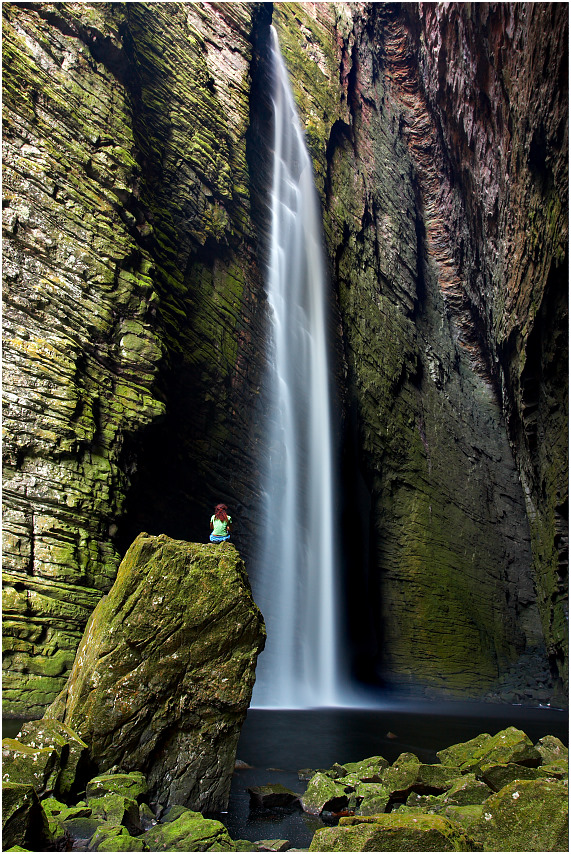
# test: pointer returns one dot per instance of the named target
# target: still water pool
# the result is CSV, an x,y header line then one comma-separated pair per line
x,y
278,743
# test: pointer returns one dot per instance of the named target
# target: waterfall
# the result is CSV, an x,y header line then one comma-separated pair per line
x,y
296,584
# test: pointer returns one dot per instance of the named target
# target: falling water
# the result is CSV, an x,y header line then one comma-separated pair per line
x,y
296,585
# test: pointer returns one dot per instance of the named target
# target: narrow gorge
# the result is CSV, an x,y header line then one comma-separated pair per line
x,y
137,145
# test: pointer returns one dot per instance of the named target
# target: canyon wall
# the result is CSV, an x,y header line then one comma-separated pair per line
x,y
135,176
131,333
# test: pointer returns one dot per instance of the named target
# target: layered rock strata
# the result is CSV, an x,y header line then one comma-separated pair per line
x,y
164,674
128,305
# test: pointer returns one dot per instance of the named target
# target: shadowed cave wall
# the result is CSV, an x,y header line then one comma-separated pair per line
x,y
135,221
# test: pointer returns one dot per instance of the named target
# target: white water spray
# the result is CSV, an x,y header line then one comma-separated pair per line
x,y
297,582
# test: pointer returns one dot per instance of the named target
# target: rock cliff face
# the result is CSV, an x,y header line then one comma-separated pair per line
x,y
135,179
131,294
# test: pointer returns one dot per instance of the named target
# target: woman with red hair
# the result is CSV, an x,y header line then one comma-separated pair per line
x,y
220,524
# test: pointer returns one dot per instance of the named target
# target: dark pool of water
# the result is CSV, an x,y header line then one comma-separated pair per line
x,y
279,743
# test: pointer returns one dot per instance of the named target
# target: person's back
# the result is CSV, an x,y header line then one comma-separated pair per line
x,y
220,524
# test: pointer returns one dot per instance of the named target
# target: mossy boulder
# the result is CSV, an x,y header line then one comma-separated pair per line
x,y
465,815
401,776
460,754
188,832
72,753
24,821
372,798
117,810
511,745
132,785
526,815
393,832
497,775
551,750
110,838
467,790
435,778
369,770
324,795
163,676
27,765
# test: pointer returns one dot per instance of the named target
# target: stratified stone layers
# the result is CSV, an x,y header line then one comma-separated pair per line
x,y
164,674
450,587
128,282
497,82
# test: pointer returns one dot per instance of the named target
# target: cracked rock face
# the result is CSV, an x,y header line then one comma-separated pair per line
x,y
164,674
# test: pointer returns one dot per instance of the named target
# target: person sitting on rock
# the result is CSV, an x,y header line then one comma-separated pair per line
x,y
220,524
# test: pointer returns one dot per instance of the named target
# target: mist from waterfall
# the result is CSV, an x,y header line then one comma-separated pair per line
x,y
296,586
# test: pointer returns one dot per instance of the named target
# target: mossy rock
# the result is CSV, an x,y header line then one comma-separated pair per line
x,y
372,798
164,673
73,753
460,754
496,775
552,749
189,832
465,815
526,815
117,810
435,778
467,790
394,832
55,808
243,845
24,821
27,765
132,785
399,779
559,769
111,838
369,770
508,745
324,795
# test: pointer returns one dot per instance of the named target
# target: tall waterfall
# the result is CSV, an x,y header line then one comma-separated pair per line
x,y
297,583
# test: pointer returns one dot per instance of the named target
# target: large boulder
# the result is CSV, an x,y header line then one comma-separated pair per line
x,y
510,745
526,815
163,676
393,832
